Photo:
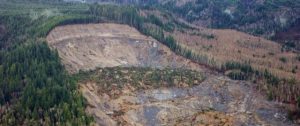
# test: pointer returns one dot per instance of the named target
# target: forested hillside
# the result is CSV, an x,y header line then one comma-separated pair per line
x,y
258,17
264,18
35,89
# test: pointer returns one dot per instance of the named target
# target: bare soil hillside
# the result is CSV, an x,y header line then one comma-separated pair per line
x,y
85,47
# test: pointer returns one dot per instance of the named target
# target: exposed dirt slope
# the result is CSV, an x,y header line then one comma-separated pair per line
x,y
85,47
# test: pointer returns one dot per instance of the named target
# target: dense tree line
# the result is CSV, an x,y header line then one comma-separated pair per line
x,y
123,14
34,87
14,27
255,17
36,90
280,89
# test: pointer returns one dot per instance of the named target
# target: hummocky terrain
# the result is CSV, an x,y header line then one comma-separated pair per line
x,y
211,99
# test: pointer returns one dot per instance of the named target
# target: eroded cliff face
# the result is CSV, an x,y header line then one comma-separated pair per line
x,y
116,98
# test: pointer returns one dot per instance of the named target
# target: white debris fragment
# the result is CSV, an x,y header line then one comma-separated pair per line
x,y
154,44
123,62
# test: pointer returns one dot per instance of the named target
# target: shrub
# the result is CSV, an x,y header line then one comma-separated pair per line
x,y
283,59
271,53
237,75
294,70
298,57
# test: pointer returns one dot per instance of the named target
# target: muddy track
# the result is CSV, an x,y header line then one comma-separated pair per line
x,y
217,100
